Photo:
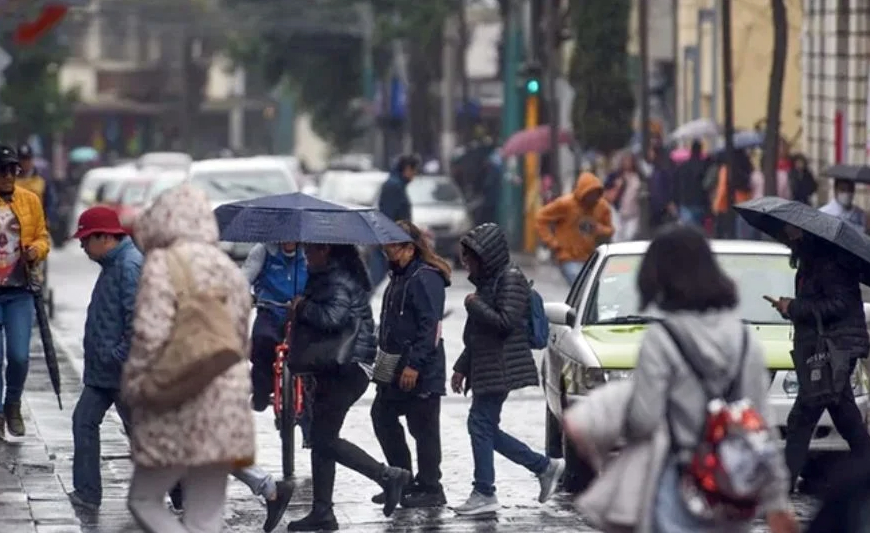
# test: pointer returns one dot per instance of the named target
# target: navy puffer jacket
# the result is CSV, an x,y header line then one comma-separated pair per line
x,y
109,324
333,297
411,315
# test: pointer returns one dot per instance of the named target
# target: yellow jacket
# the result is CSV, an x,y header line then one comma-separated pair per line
x,y
28,210
34,184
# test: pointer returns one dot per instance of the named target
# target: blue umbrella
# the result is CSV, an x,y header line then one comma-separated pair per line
x,y
298,217
83,154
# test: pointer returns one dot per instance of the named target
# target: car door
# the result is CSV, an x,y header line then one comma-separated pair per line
x,y
562,347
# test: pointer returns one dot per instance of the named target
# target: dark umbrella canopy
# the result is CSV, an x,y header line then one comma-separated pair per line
x,y
298,217
858,173
771,213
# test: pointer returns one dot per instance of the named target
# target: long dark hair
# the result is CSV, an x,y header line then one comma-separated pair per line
x,y
424,251
348,256
680,273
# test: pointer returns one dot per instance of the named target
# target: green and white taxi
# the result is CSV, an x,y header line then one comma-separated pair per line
x,y
595,336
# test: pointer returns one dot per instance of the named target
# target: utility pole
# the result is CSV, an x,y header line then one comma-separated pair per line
x,y
728,79
185,130
643,34
551,47
448,89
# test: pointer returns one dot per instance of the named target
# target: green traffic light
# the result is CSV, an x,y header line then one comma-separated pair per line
x,y
533,86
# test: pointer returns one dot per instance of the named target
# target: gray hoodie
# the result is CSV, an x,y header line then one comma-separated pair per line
x,y
664,384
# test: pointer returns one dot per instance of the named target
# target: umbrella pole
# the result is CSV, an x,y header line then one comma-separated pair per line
x,y
728,79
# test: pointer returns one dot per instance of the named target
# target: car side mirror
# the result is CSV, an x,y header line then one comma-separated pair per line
x,y
560,314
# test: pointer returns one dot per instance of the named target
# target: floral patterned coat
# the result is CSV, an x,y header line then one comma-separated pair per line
x,y
216,426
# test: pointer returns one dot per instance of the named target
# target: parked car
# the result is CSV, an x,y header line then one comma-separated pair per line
x,y
101,185
596,334
139,193
350,187
165,160
234,179
440,209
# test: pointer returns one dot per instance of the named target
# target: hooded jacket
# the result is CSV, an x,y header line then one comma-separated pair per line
x,y
497,357
216,426
569,229
411,315
665,389
109,324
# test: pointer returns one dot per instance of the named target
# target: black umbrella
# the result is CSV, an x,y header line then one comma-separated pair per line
x,y
857,173
35,285
770,214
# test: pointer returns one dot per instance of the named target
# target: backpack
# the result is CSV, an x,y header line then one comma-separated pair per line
x,y
204,343
734,458
539,326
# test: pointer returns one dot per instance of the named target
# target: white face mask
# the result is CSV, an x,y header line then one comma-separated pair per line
x,y
845,199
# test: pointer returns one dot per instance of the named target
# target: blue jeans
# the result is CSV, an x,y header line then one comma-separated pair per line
x,y
692,215
570,270
89,412
486,438
16,319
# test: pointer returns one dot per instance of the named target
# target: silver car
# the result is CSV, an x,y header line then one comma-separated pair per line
x,y
596,334
439,209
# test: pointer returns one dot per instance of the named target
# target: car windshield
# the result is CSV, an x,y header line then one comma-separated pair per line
x,y
614,298
134,194
359,188
425,190
242,184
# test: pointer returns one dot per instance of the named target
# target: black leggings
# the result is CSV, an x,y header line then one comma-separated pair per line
x,y
334,395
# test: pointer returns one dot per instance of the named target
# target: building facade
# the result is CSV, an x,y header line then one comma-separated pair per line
x,y
836,66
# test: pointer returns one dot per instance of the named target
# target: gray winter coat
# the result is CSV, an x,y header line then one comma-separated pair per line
x,y
664,386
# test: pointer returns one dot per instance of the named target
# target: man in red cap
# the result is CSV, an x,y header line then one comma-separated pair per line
x,y
108,331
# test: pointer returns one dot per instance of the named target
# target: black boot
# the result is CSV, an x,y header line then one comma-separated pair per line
x,y
276,508
14,420
430,497
393,481
321,518
177,498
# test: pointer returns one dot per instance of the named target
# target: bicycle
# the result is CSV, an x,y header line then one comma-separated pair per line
x,y
288,394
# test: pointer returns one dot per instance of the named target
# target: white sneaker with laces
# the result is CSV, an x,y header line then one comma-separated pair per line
x,y
478,504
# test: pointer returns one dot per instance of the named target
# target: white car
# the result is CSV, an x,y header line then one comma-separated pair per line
x,y
100,185
596,334
351,187
229,180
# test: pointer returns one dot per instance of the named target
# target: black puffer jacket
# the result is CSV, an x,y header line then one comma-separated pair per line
x,y
826,284
497,357
335,296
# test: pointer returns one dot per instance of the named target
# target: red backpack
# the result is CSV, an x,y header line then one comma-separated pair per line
x,y
733,461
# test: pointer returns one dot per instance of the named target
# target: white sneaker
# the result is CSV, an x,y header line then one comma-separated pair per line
x,y
478,504
549,479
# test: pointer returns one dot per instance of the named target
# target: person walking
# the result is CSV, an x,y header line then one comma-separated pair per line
x,y
801,180
497,359
827,295
108,333
24,245
689,196
629,206
573,224
199,443
410,327
33,182
680,277
748,184
337,295
393,201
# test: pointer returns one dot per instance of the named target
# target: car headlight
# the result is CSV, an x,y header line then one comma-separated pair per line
x,y
595,377
790,383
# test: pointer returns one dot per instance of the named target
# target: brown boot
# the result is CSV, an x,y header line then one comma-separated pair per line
x,y
14,420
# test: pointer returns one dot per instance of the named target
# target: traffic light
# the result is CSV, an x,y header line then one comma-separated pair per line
x,y
533,86
530,73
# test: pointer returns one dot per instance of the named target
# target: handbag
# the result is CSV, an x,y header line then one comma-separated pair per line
x,y
204,343
384,369
820,375
313,350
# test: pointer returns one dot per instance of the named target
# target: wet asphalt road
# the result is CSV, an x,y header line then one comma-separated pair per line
x,y
40,466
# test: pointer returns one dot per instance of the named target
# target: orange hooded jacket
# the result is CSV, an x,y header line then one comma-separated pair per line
x,y
561,223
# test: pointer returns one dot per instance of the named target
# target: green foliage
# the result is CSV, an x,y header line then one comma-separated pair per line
x,y
32,89
325,68
604,105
